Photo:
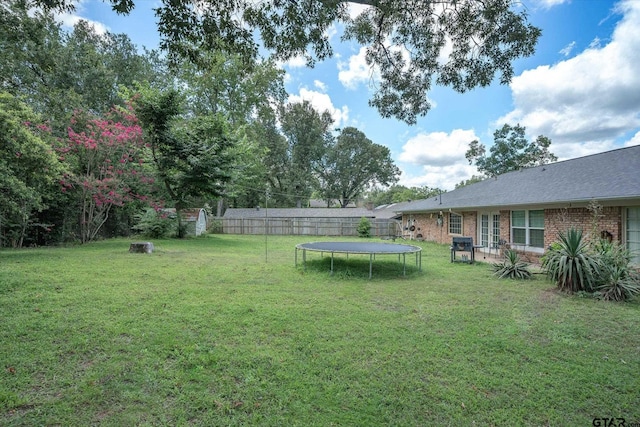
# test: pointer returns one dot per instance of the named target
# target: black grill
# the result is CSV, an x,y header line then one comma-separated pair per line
x,y
462,244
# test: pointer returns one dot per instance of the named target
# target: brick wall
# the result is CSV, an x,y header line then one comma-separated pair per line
x,y
428,228
555,221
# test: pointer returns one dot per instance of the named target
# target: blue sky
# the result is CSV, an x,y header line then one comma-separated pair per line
x,y
581,88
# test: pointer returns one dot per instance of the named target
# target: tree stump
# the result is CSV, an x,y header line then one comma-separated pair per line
x,y
141,247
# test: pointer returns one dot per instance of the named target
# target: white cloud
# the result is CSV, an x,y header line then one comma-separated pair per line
x,y
566,51
68,20
356,9
441,177
296,62
635,140
320,85
437,148
441,156
595,43
587,101
357,71
322,102
548,4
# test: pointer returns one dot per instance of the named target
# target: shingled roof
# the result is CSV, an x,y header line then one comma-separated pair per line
x,y
609,176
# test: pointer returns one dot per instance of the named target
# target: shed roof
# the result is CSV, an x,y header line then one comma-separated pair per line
x,y
609,176
190,214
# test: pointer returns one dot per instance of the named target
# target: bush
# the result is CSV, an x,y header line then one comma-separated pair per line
x,y
618,284
617,279
512,267
364,227
154,225
569,263
216,227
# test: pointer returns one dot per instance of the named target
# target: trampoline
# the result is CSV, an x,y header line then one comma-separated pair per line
x,y
363,248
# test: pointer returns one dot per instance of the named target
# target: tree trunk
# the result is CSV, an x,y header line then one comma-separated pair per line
x,y
219,207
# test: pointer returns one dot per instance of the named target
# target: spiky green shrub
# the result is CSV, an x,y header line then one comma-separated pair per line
x,y
618,284
617,279
570,264
512,267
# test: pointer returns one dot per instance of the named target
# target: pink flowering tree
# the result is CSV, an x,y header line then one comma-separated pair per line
x,y
107,169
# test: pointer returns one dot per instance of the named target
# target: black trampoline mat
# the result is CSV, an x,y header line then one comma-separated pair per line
x,y
359,247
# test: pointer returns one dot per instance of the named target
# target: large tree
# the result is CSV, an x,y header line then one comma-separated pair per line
x,y
400,193
472,180
354,163
412,43
57,72
193,156
105,166
306,135
29,170
223,84
510,151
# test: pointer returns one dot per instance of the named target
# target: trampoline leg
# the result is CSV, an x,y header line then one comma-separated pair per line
x,y
296,258
304,259
332,263
370,264
404,265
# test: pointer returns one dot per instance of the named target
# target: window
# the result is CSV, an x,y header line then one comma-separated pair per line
x,y
527,228
484,230
632,231
495,232
455,223
489,235
488,232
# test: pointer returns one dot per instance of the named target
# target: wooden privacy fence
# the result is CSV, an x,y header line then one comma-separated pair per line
x,y
309,226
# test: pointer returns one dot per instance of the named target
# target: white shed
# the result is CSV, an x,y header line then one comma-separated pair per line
x,y
195,220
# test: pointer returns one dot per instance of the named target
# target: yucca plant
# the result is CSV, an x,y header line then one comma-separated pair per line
x,y
617,280
512,267
618,284
569,263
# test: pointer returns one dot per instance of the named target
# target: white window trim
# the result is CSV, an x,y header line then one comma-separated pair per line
x,y
527,246
625,228
493,237
461,224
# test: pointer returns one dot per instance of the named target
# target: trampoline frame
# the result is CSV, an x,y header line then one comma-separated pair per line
x,y
376,248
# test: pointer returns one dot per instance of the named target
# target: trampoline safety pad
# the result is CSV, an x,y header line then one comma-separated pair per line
x,y
364,248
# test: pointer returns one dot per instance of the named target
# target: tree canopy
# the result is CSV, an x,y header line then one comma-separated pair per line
x,y
56,71
400,193
510,151
29,168
192,156
410,44
354,163
306,134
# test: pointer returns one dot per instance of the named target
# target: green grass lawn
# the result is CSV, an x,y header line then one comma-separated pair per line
x,y
225,330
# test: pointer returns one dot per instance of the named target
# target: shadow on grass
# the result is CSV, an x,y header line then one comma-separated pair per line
x,y
358,268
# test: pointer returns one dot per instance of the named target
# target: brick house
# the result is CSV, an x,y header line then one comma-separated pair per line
x,y
526,209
